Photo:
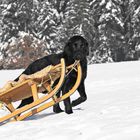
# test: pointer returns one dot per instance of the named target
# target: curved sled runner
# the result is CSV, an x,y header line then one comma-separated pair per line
x,y
33,86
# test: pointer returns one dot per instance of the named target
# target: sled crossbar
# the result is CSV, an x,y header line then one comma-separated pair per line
x,y
30,88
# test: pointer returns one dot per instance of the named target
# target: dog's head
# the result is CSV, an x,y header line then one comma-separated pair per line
x,y
77,48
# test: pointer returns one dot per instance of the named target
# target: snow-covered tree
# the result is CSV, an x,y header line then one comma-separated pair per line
x,y
17,16
110,26
46,22
116,27
77,20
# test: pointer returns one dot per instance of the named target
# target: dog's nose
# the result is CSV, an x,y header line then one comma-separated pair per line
x,y
78,57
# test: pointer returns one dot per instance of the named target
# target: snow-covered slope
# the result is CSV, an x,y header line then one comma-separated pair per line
x,y
112,111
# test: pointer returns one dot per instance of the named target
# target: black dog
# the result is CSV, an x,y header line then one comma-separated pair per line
x,y
75,49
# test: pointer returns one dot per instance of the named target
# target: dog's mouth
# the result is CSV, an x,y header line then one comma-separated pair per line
x,y
78,57
77,61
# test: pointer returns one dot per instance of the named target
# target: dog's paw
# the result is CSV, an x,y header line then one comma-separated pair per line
x,y
69,111
74,103
57,109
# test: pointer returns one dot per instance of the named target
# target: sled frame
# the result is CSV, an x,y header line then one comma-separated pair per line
x,y
39,104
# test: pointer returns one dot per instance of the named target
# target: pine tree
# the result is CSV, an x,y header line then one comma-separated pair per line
x,y
98,39
77,20
47,23
115,24
120,28
16,17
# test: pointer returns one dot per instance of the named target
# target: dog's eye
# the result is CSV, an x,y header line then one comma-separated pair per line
x,y
75,45
82,46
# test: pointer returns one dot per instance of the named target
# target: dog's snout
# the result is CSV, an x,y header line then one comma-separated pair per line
x,y
77,56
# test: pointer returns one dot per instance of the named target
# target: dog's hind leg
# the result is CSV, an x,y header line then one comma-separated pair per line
x,y
83,96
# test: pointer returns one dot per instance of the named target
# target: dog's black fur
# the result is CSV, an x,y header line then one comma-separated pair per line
x,y
75,49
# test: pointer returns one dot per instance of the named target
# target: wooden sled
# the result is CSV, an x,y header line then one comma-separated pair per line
x,y
31,87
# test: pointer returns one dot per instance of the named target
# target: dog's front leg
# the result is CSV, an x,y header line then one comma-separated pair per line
x,y
83,96
67,103
56,107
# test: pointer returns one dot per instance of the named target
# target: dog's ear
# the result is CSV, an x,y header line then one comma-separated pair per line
x,y
86,48
67,50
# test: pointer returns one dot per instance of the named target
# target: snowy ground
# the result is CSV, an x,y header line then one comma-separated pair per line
x,y
112,111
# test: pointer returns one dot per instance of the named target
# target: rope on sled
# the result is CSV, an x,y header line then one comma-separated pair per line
x,y
73,67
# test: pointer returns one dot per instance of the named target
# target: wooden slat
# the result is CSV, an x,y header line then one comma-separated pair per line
x,y
34,92
17,93
11,108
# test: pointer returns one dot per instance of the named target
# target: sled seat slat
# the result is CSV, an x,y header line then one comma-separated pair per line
x,y
19,92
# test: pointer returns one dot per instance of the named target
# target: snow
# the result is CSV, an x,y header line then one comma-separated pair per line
x,y
12,41
102,2
9,6
3,45
112,111
137,11
55,12
108,6
23,34
137,47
